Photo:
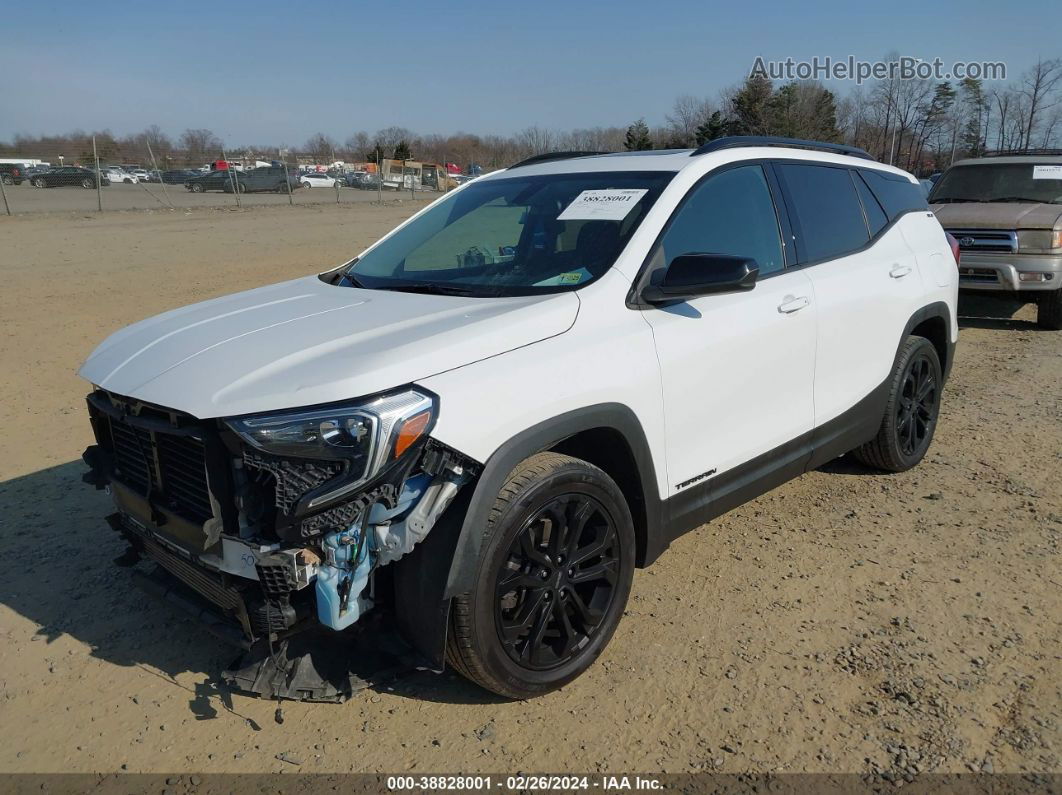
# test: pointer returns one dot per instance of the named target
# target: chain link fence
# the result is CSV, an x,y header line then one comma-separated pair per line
x,y
101,178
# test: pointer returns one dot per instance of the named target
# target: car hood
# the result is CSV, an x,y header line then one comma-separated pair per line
x,y
1000,215
306,342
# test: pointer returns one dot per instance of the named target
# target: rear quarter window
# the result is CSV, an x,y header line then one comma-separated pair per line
x,y
896,194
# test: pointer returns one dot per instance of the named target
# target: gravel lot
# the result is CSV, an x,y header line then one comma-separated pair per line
x,y
25,198
847,621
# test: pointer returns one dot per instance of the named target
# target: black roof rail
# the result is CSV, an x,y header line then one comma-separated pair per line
x,y
548,156
736,141
1020,152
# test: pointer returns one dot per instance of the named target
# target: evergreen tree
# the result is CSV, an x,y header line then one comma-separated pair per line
x,y
715,126
637,138
750,107
402,151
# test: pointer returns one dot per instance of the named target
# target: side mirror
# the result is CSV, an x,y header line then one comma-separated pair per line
x,y
693,275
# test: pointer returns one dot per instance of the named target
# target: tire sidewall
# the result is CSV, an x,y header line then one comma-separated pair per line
x,y
920,347
571,478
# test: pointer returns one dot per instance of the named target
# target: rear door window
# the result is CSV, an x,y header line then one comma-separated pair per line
x,y
828,215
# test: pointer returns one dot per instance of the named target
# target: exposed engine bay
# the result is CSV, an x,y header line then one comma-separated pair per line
x,y
280,523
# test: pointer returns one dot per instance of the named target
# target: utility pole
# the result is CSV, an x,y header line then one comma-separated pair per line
x,y
99,192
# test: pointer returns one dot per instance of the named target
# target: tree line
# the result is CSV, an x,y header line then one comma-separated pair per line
x,y
919,125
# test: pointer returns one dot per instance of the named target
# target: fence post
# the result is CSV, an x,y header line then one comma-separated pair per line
x,y
233,182
162,182
99,191
3,190
379,175
287,177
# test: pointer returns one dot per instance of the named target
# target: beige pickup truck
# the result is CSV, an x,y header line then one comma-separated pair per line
x,y
1006,213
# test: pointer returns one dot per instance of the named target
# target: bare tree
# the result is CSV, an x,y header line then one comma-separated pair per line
x,y
199,145
1039,90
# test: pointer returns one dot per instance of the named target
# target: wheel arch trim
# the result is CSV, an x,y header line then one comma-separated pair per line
x,y
543,436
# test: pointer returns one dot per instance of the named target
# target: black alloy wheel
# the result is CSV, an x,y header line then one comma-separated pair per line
x,y
558,582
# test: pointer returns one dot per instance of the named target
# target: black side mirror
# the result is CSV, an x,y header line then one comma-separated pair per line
x,y
692,275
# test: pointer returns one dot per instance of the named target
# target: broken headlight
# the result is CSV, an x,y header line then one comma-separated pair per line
x,y
366,435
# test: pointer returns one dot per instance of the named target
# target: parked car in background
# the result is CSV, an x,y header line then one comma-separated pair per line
x,y
363,180
211,180
117,174
142,175
315,179
12,173
263,179
68,175
1006,213
179,176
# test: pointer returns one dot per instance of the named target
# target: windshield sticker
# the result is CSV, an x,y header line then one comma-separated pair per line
x,y
569,277
1047,172
612,204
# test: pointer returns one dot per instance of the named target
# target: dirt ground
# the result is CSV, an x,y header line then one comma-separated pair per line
x,y
846,622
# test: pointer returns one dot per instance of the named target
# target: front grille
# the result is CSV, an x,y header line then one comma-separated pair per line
x,y
987,240
206,584
170,468
979,275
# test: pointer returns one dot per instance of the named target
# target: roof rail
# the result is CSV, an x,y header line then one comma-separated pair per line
x,y
736,141
1019,152
548,156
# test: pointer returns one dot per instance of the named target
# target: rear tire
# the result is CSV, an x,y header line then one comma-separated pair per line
x,y
195,188
911,412
38,182
551,581
1049,311
87,183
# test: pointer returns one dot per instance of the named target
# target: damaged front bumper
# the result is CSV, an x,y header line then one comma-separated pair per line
x,y
222,520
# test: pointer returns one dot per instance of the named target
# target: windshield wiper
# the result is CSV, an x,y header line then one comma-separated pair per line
x,y
430,288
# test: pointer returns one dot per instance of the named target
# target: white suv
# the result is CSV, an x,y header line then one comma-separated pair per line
x,y
483,424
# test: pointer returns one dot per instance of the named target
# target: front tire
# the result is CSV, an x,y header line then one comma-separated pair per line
x,y
1049,311
552,579
911,412
87,183
38,182
195,188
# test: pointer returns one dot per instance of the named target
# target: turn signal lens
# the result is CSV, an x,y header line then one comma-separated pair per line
x,y
412,429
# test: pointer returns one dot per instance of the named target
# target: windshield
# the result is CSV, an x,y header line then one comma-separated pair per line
x,y
1000,182
515,236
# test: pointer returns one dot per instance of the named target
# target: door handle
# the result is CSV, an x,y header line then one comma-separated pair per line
x,y
793,303
899,271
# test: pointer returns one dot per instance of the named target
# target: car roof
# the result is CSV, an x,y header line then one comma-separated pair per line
x,y
1009,160
678,159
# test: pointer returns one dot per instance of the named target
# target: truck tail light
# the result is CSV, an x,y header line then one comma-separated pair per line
x,y
954,246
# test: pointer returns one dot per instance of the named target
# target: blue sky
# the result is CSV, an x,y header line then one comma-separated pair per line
x,y
272,72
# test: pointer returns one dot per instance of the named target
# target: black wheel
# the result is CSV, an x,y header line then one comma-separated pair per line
x,y
911,413
195,187
87,183
1049,311
38,182
552,579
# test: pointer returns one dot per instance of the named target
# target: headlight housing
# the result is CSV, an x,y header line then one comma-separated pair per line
x,y
366,435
